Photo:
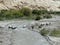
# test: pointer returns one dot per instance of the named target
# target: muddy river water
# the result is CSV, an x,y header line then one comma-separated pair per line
x,y
21,33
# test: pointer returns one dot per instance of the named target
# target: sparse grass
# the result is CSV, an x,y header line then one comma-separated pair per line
x,y
47,16
55,32
54,12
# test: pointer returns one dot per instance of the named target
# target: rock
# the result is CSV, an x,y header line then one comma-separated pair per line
x,y
12,27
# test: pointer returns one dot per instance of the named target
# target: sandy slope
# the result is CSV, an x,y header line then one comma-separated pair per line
x,y
48,4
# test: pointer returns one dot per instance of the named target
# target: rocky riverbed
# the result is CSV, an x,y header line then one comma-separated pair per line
x,y
24,32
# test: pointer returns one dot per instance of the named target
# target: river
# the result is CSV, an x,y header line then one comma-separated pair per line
x,y
21,33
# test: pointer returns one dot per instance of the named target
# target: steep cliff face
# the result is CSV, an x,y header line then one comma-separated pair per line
x,y
48,4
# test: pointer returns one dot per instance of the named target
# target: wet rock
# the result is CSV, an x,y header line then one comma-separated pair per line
x,y
47,24
32,27
39,26
42,24
24,26
12,27
1,41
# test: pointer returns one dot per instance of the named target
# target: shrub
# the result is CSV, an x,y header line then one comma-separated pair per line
x,y
39,12
16,13
11,13
43,11
26,11
35,12
44,32
1,19
54,12
55,33
47,16
38,17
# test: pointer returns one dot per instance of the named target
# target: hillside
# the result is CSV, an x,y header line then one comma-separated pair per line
x,y
15,4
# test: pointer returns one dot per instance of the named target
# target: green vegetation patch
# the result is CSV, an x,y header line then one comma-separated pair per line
x,y
44,32
24,13
55,33
39,12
